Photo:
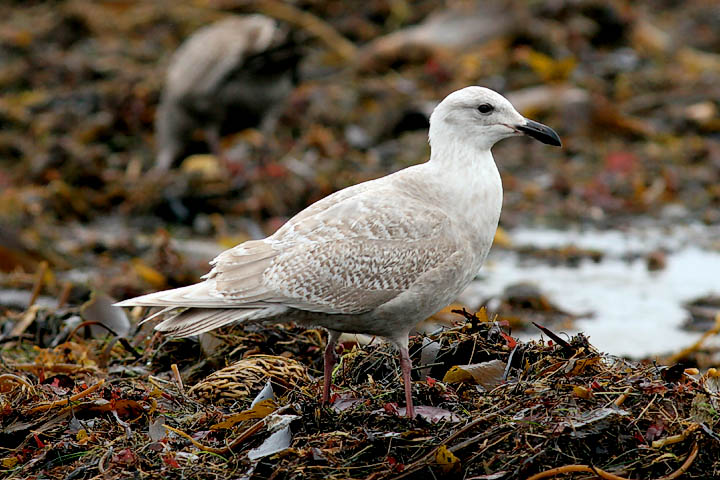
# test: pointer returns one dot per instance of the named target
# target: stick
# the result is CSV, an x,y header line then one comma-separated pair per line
x,y
178,378
424,460
696,346
553,472
15,378
65,401
39,280
228,448
27,319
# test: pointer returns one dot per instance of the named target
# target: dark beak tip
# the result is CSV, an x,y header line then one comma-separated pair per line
x,y
541,132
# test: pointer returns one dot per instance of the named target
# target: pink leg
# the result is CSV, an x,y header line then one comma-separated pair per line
x,y
330,359
406,366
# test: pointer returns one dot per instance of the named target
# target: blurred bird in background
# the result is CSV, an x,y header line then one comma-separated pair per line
x,y
228,76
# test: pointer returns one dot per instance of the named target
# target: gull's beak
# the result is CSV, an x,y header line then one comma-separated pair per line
x,y
540,132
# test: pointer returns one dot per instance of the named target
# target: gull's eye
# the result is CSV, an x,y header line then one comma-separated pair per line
x,y
485,108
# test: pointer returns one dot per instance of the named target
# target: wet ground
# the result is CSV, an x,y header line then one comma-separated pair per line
x,y
631,294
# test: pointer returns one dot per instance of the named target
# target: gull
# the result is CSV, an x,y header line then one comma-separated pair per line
x,y
375,258
235,71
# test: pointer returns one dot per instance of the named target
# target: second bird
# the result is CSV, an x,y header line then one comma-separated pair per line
x,y
229,75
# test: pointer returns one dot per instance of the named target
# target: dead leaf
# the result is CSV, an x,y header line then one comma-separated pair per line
x,y
488,374
149,274
344,402
580,365
156,430
582,392
275,443
433,414
548,68
100,309
260,410
207,166
447,461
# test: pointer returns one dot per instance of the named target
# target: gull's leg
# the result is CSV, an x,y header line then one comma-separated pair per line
x,y
212,136
406,366
330,359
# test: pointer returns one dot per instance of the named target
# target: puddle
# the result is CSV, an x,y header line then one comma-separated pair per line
x,y
637,312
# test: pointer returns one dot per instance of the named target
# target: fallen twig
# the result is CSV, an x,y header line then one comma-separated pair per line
x,y
178,378
250,431
424,460
621,399
553,472
15,378
65,401
27,319
555,337
696,346
675,438
39,281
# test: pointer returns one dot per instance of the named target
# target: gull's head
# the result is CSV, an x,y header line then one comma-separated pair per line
x,y
483,117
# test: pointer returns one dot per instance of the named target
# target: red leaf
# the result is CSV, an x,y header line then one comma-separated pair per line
x,y
431,381
391,408
511,343
654,431
397,466
125,456
39,442
170,461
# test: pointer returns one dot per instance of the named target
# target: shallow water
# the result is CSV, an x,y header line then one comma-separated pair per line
x,y
636,312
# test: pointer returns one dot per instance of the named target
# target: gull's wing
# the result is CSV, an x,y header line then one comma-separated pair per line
x,y
347,254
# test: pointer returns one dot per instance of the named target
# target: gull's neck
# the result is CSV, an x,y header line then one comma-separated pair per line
x,y
466,174
454,156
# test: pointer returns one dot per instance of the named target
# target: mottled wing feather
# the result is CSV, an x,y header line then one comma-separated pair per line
x,y
353,276
344,257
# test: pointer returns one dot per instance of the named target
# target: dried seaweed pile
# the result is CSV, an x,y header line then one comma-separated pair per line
x,y
489,407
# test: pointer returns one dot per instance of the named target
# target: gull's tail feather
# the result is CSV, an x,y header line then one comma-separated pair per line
x,y
199,295
195,321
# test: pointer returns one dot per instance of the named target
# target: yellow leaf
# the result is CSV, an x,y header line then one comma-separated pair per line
x,y
447,461
482,315
583,364
549,69
458,375
9,462
260,410
582,392
82,436
149,274
205,165
502,239
488,374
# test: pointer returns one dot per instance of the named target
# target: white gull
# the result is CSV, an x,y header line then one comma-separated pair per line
x,y
375,258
